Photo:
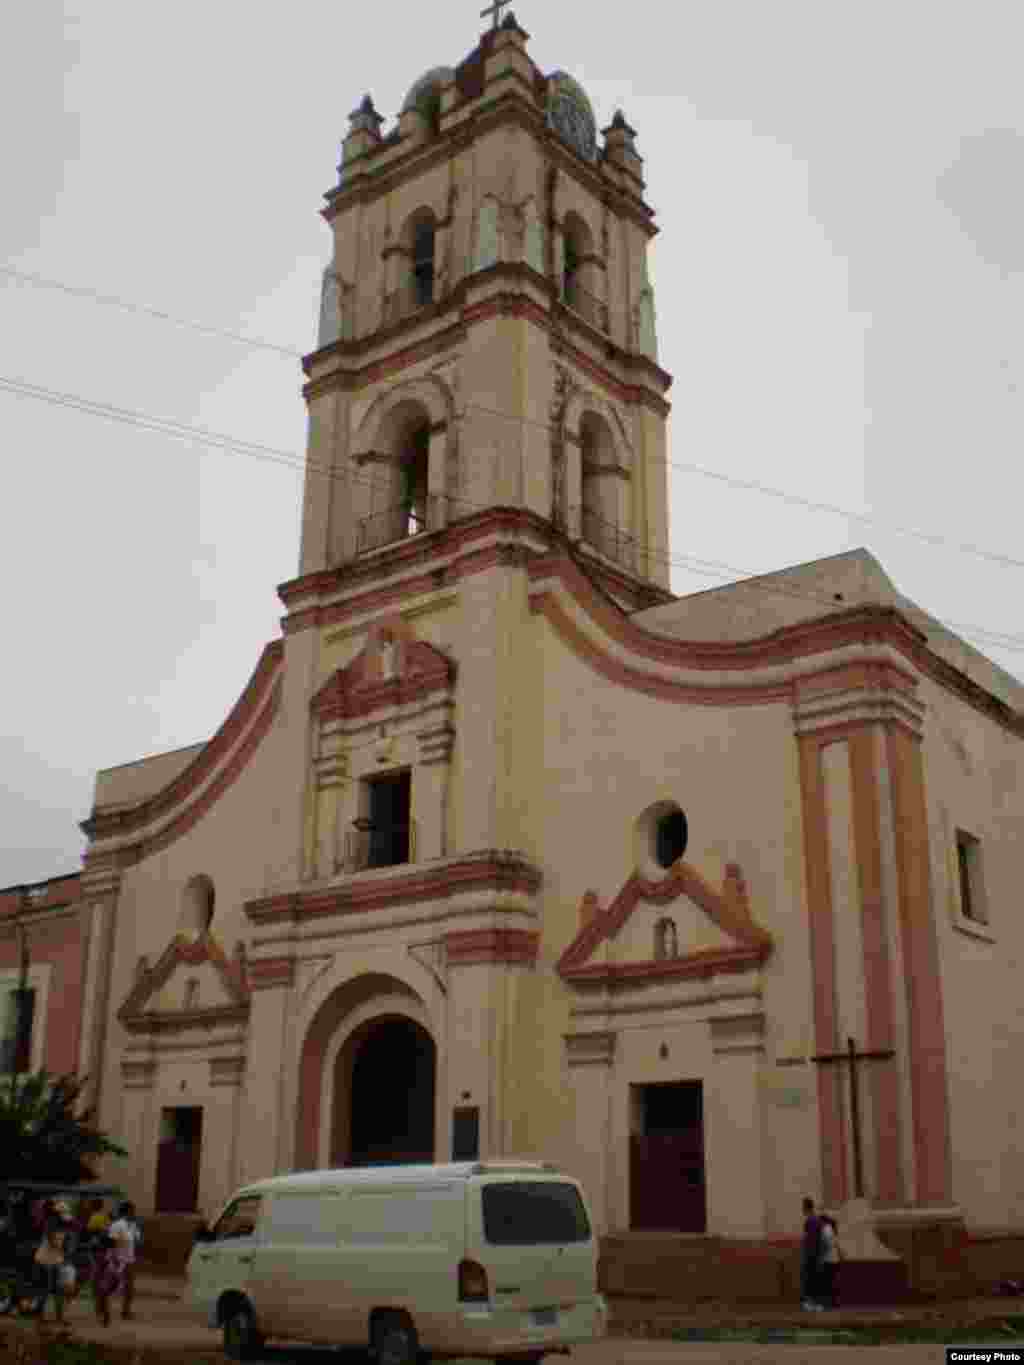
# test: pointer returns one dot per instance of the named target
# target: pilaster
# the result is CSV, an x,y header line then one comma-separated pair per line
x,y
262,1102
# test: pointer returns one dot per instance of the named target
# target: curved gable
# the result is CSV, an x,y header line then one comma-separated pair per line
x,y
207,777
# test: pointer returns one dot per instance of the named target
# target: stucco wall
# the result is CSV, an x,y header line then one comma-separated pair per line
x,y
236,844
589,758
57,944
975,773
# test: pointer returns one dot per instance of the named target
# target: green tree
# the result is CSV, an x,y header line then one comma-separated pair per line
x,y
46,1133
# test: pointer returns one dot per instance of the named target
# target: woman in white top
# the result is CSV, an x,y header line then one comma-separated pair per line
x,y
829,1260
126,1235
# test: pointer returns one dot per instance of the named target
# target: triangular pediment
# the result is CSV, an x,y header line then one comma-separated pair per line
x,y
391,669
680,926
193,982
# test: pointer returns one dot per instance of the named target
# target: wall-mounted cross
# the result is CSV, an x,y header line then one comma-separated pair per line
x,y
852,1058
495,10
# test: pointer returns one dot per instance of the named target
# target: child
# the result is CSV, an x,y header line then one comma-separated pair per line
x,y
49,1259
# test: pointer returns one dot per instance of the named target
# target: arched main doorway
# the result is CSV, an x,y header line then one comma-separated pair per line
x,y
385,1080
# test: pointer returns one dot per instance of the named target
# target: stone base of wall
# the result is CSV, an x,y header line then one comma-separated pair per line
x,y
995,1256
939,1259
168,1239
934,1250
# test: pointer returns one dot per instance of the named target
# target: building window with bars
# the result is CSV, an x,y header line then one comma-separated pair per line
x,y
15,1006
972,887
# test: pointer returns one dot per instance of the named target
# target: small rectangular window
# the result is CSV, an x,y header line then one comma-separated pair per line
x,y
466,1133
390,801
16,1005
972,891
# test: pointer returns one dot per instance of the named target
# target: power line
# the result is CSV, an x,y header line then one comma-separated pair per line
x,y
298,463
686,467
126,305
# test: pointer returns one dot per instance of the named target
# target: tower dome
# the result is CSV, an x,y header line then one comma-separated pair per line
x,y
571,114
425,93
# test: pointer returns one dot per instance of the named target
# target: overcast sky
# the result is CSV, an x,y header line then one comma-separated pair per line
x,y
840,289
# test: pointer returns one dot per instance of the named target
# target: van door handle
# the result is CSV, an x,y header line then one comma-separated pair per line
x,y
245,1260
207,1257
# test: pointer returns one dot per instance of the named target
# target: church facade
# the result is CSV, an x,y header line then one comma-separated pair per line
x,y
504,850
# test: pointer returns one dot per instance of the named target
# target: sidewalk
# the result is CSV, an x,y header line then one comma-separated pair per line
x,y
659,1319
164,1331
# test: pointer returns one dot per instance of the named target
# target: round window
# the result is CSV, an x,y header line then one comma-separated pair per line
x,y
670,835
660,836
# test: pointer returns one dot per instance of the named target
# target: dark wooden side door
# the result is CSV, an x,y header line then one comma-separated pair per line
x,y
178,1156
666,1177
667,1183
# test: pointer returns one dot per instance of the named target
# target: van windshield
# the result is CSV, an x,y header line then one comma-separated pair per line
x,y
533,1212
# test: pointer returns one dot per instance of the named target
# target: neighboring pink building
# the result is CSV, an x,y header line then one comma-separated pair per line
x,y
55,921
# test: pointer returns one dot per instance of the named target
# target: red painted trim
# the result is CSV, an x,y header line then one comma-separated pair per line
x,y
466,946
921,973
267,972
857,625
355,691
56,893
884,1077
831,1130
225,779
107,824
192,953
728,909
354,897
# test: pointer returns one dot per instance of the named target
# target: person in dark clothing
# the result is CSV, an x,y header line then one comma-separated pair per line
x,y
810,1253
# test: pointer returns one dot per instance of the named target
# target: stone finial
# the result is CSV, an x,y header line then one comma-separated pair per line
x,y
365,117
619,130
590,908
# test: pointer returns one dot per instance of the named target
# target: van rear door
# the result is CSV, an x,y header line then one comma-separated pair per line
x,y
533,1237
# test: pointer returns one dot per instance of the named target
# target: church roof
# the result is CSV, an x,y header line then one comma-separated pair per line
x,y
754,607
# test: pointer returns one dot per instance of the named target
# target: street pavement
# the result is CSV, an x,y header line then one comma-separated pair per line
x,y
164,1320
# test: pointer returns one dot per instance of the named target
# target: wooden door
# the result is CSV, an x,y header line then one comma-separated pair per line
x,y
178,1157
667,1182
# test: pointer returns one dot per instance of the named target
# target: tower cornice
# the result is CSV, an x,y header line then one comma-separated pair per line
x,y
631,377
380,174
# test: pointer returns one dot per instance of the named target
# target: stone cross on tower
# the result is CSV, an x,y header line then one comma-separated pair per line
x,y
495,11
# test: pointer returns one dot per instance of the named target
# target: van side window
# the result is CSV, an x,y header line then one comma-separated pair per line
x,y
239,1219
303,1219
533,1212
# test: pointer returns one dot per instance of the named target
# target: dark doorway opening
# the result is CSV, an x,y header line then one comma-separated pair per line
x,y
393,1081
389,811
666,1185
178,1157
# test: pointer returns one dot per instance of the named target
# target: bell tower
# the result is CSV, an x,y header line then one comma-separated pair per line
x,y
487,334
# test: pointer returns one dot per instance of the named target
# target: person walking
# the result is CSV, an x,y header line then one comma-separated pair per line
x,y
49,1261
810,1255
829,1261
126,1235
106,1271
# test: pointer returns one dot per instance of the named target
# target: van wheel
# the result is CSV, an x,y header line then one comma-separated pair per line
x,y
393,1340
241,1340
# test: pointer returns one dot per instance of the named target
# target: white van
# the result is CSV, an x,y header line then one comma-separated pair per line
x,y
490,1258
